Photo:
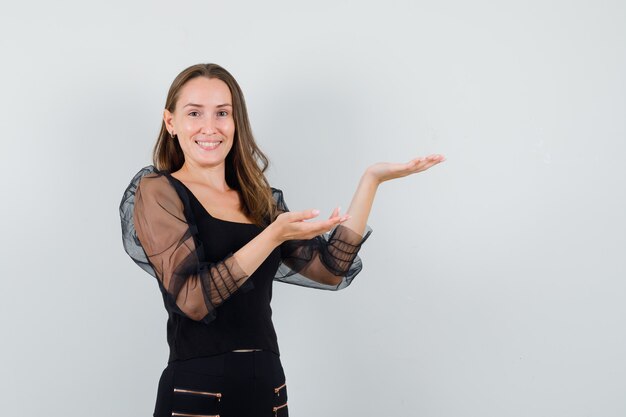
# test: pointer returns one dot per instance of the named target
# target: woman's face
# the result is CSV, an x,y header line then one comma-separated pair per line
x,y
203,121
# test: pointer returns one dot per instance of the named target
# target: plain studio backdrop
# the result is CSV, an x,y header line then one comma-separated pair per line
x,y
493,284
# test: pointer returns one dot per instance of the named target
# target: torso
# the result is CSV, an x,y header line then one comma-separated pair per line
x,y
244,322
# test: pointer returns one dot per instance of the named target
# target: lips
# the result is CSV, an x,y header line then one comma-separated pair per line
x,y
208,145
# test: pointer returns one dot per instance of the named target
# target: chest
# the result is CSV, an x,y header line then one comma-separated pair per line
x,y
226,206
219,238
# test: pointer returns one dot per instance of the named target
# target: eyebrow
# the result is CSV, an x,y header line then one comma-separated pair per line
x,y
200,105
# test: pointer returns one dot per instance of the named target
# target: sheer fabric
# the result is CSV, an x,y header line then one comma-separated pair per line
x,y
327,261
160,235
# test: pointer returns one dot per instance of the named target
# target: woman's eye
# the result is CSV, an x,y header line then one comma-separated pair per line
x,y
193,113
223,113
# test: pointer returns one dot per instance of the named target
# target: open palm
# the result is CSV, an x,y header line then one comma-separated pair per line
x,y
385,171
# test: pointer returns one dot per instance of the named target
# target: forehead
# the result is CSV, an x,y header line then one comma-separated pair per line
x,y
204,91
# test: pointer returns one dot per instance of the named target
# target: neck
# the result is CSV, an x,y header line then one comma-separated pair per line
x,y
212,176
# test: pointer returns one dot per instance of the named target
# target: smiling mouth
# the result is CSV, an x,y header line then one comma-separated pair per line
x,y
208,145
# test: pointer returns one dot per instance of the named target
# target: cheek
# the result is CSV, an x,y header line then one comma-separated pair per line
x,y
191,125
229,128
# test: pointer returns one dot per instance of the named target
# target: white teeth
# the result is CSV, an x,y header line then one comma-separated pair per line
x,y
207,144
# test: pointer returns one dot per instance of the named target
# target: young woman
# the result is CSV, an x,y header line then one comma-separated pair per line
x,y
205,222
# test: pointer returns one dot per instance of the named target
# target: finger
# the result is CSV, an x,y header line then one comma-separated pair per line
x,y
420,164
318,227
336,220
297,216
321,229
431,157
335,212
429,165
417,164
436,157
408,168
417,161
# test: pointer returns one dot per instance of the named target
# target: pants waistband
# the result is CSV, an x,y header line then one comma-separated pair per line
x,y
241,364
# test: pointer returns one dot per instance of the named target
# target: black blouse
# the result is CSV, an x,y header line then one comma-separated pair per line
x,y
167,232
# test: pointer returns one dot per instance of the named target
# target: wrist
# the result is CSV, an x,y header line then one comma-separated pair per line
x,y
273,234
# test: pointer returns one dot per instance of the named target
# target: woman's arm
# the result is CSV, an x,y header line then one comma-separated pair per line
x,y
287,226
375,175
330,260
361,204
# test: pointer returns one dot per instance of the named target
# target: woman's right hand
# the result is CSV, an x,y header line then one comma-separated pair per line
x,y
292,225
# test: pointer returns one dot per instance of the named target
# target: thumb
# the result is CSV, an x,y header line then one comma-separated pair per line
x,y
313,213
304,215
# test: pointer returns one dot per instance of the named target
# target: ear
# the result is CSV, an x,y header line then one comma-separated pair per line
x,y
168,118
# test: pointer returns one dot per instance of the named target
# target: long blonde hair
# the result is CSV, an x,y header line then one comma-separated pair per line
x,y
245,163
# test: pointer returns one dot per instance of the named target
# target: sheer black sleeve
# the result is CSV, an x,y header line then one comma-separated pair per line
x,y
159,238
327,261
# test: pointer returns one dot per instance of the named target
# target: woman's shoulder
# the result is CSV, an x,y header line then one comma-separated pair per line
x,y
151,179
151,184
151,199
277,193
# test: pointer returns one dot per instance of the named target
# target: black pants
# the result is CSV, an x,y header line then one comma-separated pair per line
x,y
233,384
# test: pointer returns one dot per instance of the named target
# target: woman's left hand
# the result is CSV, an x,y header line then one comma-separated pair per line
x,y
385,171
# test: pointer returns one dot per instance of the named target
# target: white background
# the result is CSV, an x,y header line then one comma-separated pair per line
x,y
493,284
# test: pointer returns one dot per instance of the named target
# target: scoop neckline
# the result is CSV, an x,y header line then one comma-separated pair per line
x,y
203,208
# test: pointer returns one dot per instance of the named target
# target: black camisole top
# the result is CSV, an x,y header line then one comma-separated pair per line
x,y
244,320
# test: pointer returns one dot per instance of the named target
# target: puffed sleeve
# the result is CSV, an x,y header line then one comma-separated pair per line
x,y
327,261
159,238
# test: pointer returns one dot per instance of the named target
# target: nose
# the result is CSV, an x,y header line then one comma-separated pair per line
x,y
208,127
